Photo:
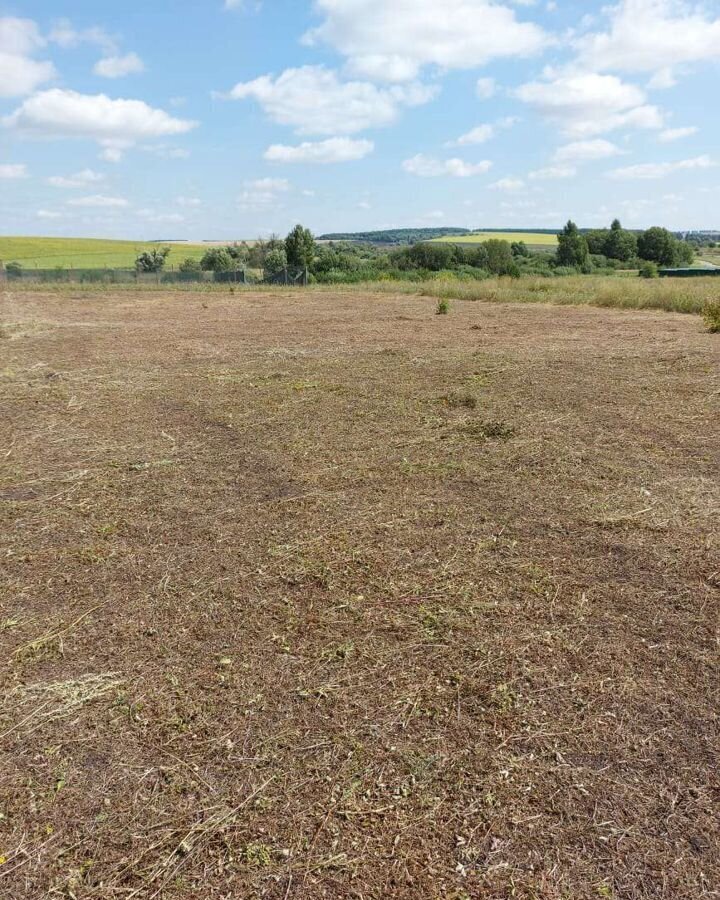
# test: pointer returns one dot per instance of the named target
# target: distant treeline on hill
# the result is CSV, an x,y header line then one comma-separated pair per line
x,y
393,236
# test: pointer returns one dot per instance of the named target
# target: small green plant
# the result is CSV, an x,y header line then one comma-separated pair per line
x,y
443,307
711,316
649,270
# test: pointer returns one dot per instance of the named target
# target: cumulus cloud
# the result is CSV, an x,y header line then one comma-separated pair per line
x,y
454,34
20,73
119,66
100,201
262,193
333,150
586,151
115,124
645,171
13,171
482,133
584,104
79,179
314,100
65,35
429,167
553,173
653,36
677,134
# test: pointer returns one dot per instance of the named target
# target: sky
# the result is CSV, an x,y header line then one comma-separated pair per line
x,y
230,119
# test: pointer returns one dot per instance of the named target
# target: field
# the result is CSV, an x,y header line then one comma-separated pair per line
x,y
318,594
533,240
85,253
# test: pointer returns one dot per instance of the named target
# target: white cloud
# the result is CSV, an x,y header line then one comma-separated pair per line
x,y
119,66
485,88
483,133
20,74
188,201
334,150
100,201
653,36
584,104
553,173
313,100
428,167
393,41
508,184
115,124
478,135
68,37
48,214
661,170
263,193
79,179
586,151
676,134
13,171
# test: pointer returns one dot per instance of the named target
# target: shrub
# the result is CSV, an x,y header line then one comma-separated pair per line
x,y
14,270
190,266
443,307
711,316
649,269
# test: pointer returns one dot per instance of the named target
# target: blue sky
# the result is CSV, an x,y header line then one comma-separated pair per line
x,y
228,119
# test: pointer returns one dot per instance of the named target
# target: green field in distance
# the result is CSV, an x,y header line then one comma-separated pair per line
x,y
532,239
86,253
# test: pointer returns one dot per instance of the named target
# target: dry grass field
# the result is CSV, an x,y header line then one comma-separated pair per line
x,y
322,595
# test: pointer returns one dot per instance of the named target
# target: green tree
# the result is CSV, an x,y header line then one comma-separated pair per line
x,y
572,247
217,259
300,247
275,261
152,260
500,260
660,246
620,244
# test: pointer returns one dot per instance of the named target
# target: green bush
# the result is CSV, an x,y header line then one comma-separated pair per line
x,y
649,269
443,307
711,316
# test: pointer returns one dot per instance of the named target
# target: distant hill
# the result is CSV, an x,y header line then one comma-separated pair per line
x,y
394,235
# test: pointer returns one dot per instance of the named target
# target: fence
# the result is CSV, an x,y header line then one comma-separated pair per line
x,y
689,273
287,276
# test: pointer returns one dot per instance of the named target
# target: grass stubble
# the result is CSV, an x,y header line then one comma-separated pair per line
x,y
316,595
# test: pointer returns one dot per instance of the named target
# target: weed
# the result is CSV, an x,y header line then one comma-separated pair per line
x,y
711,316
443,307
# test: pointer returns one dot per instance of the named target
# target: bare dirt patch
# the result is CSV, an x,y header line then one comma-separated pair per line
x,y
282,620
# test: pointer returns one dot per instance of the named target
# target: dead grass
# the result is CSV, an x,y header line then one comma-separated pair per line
x,y
317,595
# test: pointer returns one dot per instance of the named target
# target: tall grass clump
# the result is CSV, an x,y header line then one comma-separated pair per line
x,y
443,307
711,316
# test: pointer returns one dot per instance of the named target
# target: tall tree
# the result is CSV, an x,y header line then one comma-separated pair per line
x,y
300,247
572,247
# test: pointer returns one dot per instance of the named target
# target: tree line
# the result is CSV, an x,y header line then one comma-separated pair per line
x,y
339,261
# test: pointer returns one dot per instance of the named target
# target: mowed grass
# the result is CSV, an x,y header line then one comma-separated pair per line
x,y
534,239
85,253
318,595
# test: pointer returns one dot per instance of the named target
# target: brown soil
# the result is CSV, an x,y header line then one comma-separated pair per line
x,y
314,595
